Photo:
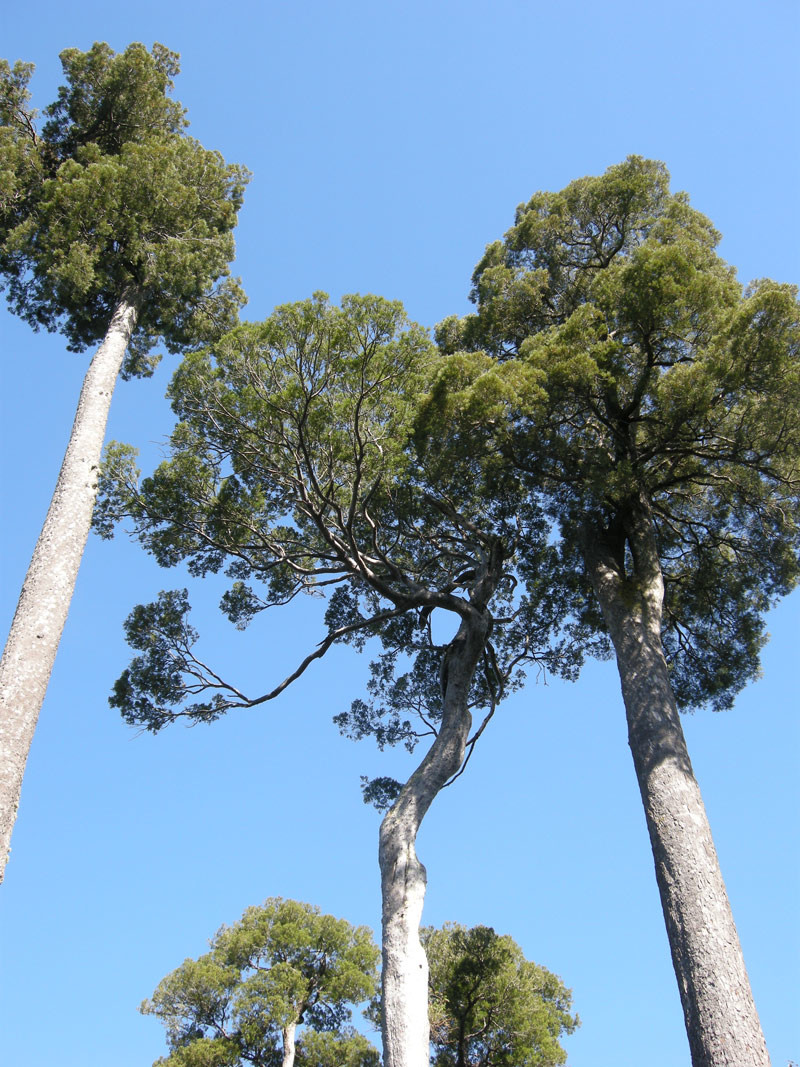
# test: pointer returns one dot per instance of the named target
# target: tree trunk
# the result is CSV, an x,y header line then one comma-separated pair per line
x,y
721,1019
32,644
406,1036
288,1034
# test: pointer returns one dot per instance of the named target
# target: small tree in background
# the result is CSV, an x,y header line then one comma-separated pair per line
x,y
490,1007
276,988
116,228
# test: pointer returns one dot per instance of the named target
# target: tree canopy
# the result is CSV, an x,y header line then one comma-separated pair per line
x,y
658,375
111,197
292,468
281,967
490,1007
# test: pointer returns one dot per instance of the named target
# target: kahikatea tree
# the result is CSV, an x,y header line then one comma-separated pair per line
x,y
114,228
276,988
490,1007
665,443
291,467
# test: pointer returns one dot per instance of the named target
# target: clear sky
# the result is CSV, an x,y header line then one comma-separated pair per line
x,y
389,143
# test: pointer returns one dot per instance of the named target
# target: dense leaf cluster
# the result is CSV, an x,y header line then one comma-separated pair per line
x,y
282,966
489,1006
112,200
636,371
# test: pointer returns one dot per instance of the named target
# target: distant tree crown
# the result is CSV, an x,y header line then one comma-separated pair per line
x,y
282,965
112,199
490,1007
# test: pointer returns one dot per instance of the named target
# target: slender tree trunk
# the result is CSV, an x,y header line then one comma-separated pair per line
x,y
32,644
406,1035
461,1055
288,1034
721,1019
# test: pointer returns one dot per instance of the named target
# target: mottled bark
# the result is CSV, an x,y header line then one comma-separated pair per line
x,y
32,644
288,1035
406,1037
721,1019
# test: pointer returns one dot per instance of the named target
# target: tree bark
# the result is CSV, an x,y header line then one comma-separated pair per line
x,y
721,1019
406,1034
30,650
288,1034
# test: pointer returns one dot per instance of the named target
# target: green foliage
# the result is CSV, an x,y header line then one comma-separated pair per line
x,y
646,374
345,1048
111,200
286,425
293,468
381,792
162,631
112,100
282,965
21,164
490,1007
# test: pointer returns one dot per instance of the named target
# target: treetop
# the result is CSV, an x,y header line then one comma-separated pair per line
x,y
282,965
650,375
490,1006
111,100
111,199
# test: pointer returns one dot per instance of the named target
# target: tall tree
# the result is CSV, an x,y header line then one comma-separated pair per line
x,y
490,1007
665,445
277,987
114,228
292,467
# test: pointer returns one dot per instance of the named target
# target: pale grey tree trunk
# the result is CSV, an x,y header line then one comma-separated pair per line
x,y
288,1034
721,1019
404,979
32,643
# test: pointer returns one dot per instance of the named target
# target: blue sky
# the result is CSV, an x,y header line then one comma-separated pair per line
x,y
389,143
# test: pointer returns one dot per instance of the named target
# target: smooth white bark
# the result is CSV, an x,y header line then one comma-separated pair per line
x,y
30,651
289,1047
722,1023
406,1032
